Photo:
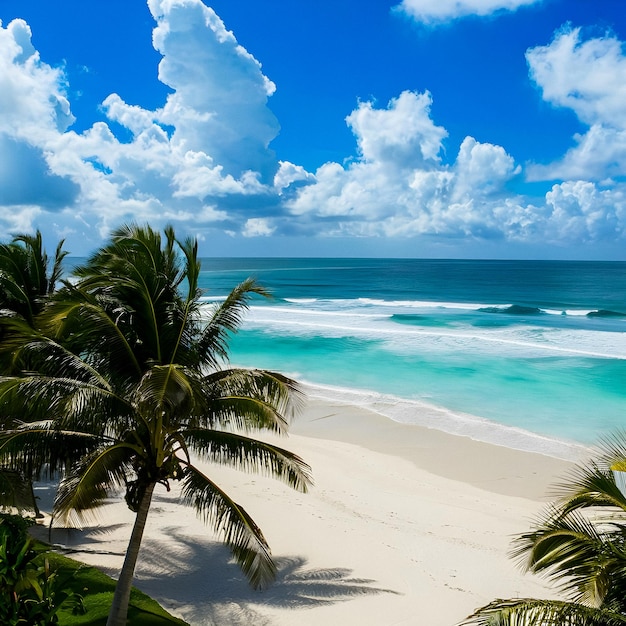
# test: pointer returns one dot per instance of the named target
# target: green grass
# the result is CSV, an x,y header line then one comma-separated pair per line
x,y
97,589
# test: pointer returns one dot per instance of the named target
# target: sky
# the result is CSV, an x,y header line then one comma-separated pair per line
x,y
363,128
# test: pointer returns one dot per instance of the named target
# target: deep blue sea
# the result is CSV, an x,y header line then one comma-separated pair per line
x,y
513,352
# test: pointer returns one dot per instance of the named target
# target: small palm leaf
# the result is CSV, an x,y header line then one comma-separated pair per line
x,y
590,485
530,612
165,390
37,447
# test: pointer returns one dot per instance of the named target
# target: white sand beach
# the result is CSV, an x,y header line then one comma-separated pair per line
x,y
405,525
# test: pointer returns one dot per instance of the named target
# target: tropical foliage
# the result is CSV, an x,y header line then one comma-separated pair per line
x,y
31,592
25,276
580,544
27,279
125,384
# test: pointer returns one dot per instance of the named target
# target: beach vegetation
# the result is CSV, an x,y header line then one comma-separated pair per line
x,y
31,590
40,587
96,591
27,278
27,275
579,544
125,384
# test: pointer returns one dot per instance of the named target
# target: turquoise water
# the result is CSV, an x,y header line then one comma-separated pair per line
x,y
500,350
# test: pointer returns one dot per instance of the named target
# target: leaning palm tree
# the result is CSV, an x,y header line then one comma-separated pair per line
x,y
132,386
579,543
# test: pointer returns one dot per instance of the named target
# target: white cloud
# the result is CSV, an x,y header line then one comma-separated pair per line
x,y
289,173
482,168
392,190
403,133
582,212
202,160
220,100
258,227
209,140
19,219
436,11
598,154
33,103
399,187
588,77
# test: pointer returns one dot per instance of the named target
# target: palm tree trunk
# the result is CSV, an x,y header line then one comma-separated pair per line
x,y
119,609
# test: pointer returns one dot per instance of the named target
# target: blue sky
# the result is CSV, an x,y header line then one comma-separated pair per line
x,y
420,128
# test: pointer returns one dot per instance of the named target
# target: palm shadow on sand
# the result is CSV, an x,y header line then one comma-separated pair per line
x,y
201,576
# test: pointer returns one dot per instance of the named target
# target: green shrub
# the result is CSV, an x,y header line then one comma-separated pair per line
x,y
31,592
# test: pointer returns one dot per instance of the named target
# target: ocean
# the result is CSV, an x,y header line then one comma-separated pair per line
x,y
528,354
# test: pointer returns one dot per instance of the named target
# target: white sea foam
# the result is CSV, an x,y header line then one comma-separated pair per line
x,y
455,423
521,340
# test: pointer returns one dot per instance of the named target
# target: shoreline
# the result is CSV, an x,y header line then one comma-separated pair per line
x,y
420,414
524,473
404,525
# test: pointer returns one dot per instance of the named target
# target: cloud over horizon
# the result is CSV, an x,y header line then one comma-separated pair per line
x,y
204,162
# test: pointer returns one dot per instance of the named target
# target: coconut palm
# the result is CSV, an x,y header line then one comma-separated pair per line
x,y
132,387
25,276
579,543
26,281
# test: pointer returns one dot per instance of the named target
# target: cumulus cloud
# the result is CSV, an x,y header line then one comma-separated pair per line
x,y
34,111
219,105
33,103
289,174
203,160
258,227
580,211
588,77
398,186
437,11
210,139
403,133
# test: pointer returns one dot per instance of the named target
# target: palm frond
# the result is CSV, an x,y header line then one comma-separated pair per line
x,y
57,266
15,490
237,529
165,390
584,557
90,481
250,455
590,485
226,318
143,275
24,279
84,325
37,447
254,399
531,612
189,248
73,404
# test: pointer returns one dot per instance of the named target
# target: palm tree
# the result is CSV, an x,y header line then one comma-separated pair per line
x,y
132,386
26,281
580,543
